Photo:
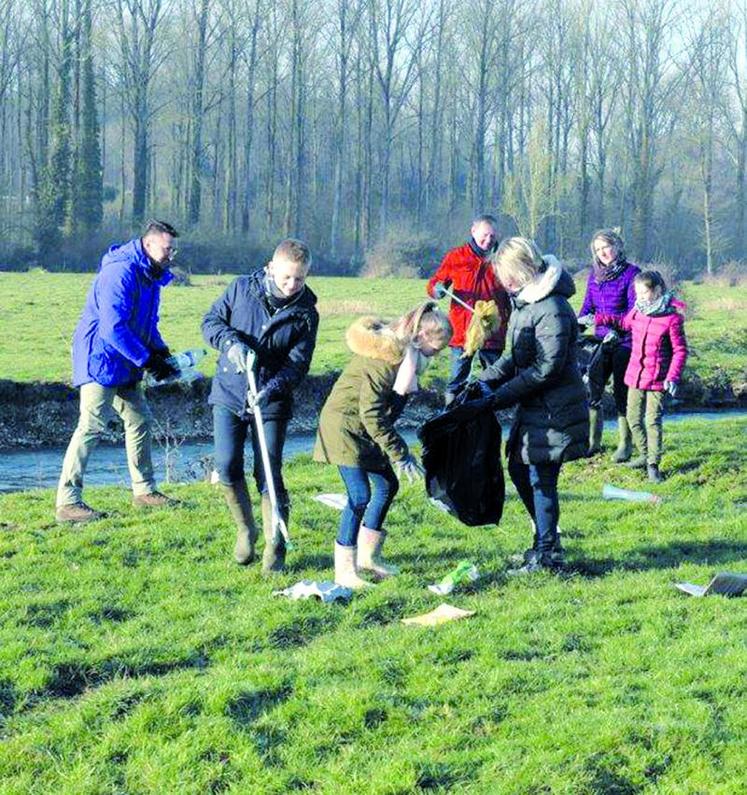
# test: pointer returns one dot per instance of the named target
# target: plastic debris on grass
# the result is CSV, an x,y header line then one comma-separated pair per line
x,y
610,492
336,501
464,573
440,615
723,583
326,591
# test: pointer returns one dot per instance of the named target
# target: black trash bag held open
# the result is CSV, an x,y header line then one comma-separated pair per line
x,y
462,461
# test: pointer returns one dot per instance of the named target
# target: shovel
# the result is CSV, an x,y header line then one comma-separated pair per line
x,y
278,523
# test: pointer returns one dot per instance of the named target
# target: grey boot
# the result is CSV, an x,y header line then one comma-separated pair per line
x,y
240,506
273,556
369,557
625,445
596,425
346,572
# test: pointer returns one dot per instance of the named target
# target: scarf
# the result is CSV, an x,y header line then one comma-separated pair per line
x,y
275,298
659,306
606,273
483,253
413,363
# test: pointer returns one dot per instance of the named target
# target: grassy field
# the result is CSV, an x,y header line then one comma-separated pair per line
x,y
136,658
38,312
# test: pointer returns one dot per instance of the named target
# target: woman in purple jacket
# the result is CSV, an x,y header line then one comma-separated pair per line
x,y
610,291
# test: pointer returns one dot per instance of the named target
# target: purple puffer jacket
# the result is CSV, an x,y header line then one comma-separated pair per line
x,y
615,297
659,347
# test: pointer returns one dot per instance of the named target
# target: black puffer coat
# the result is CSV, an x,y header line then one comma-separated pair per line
x,y
283,341
541,374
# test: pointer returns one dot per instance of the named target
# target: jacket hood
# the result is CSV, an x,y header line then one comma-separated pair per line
x,y
370,336
306,299
554,279
132,252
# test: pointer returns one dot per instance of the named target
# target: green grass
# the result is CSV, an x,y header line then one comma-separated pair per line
x,y
136,658
39,311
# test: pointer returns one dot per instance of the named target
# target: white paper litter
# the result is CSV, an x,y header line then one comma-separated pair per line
x,y
337,501
325,591
723,583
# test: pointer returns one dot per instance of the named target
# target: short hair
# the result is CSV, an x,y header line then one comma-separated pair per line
x,y
486,218
519,259
612,238
293,250
651,279
159,227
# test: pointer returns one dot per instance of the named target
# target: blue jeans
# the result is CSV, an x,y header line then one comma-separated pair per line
x,y
230,432
537,485
369,496
460,367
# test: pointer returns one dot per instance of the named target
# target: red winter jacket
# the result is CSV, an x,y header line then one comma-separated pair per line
x,y
472,279
659,347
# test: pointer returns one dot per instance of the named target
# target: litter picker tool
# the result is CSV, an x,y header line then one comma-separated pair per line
x,y
278,523
447,292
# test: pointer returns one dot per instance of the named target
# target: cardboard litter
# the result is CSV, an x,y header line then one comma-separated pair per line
x,y
325,591
610,492
337,501
723,583
440,615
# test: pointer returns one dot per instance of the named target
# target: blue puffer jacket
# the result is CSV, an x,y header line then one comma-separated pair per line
x,y
118,328
284,343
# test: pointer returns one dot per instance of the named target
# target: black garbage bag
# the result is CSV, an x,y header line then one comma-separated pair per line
x,y
462,462
591,364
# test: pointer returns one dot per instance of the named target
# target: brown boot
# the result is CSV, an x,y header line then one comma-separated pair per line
x,y
273,556
77,513
625,445
240,506
346,573
369,557
155,500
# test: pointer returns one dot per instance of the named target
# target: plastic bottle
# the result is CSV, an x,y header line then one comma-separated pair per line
x,y
185,363
465,572
610,492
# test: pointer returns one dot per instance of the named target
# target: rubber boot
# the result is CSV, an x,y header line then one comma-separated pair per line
x,y
369,557
273,556
596,424
240,506
346,573
654,473
625,445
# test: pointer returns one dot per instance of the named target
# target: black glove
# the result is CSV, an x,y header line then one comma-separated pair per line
x,y
158,366
440,288
476,390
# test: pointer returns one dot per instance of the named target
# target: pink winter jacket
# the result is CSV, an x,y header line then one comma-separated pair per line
x,y
659,347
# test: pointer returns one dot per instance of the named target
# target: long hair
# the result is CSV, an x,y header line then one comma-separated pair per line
x,y
429,319
612,238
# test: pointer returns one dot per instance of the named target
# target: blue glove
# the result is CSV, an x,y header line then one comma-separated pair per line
x,y
440,288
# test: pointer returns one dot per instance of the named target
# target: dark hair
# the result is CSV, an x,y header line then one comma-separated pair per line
x,y
612,238
160,227
486,218
650,279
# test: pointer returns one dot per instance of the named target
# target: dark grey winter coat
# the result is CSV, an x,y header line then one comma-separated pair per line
x,y
541,374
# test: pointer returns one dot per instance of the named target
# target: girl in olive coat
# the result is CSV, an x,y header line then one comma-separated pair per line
x,y
356,429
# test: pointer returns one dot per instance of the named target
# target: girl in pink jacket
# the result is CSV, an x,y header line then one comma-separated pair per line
x,y
659,352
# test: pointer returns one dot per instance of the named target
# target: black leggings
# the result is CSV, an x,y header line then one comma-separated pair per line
x,y
614,361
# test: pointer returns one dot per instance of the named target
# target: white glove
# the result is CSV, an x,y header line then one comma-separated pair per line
x,y
409,467
671,387
252,401
241,357
611,336
586,320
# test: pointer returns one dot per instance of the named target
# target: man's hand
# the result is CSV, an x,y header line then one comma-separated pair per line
x,y
671,387
440,288
409,467
241,356
159,366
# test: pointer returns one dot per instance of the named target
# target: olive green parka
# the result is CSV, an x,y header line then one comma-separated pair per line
x,y
356,425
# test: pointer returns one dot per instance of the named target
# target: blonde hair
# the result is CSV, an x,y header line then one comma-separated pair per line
x,y
428,319
293,250
517,260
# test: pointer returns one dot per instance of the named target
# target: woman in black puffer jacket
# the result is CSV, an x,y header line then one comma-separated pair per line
x,y
539,374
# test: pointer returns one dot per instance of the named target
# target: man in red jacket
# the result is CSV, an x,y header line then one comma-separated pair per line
x,y
467,273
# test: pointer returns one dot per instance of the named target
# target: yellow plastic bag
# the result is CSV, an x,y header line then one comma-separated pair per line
x,y
484,323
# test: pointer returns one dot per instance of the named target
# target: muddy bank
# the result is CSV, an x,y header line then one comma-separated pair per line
x,y
42,415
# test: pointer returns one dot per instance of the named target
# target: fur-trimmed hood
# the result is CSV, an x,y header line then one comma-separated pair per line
x,y
552,279
371,336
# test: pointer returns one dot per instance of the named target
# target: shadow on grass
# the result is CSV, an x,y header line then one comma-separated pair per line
x,y
250,705
715,552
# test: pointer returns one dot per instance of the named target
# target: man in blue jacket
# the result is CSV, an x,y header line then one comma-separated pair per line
x,y
116,339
